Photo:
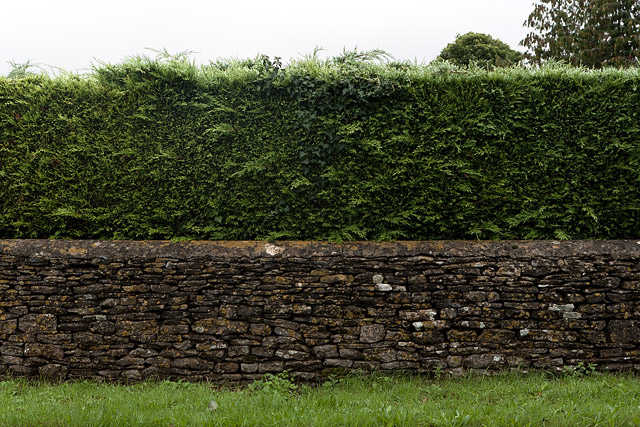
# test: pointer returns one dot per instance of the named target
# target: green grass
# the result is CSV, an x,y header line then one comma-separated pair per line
x,y
535,399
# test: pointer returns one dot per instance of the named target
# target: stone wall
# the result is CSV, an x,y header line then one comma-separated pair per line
x,y
236,310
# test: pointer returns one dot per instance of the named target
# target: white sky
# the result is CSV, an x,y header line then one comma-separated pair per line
x,y
71,34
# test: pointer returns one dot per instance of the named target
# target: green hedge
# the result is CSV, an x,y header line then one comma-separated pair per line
x,y
339,149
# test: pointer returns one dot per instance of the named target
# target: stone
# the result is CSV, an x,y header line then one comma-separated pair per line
x,y
508,271
229,311
455,335
400,365
337,278
132,374
571,315
427,337
53,370
337,363
46,351
38,323
191,363
454,361
8,326
448,313
350,353
292,354
11,360
143,352
476,296
365,365
169,331
272,366
326,351
238,350
22,371
109,302
384,355
372,333
408,355
484,361
141,331
102,327
285,332
249,367
500,336
422,314
220,326
129,362
11,350
151,372
73,327
561,307
248,312
159,361
624,331
431,324
226,367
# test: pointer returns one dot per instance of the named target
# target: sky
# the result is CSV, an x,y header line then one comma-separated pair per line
x,y
74,34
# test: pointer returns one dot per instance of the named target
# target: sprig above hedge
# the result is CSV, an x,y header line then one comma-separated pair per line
x,y
338,149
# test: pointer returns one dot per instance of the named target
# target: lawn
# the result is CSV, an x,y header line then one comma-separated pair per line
x,y
574,398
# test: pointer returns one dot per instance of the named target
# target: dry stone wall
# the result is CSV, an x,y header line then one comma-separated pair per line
x,y
236,310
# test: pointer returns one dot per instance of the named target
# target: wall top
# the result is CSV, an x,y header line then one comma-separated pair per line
x,y
129,249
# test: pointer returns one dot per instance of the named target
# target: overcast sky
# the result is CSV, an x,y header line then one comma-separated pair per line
x,y
71,34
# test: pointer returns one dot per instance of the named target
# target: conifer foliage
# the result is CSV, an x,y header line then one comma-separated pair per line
x,y
592,33
343,149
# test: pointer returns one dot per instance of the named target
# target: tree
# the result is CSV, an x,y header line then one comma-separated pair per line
x,y
482,49
593,33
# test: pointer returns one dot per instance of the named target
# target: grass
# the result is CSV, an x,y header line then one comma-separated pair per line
x,y
534,399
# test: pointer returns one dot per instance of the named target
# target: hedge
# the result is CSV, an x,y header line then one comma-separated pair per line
x,y
337,149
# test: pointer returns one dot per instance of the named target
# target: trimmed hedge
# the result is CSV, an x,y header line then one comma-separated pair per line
x,y
340,149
